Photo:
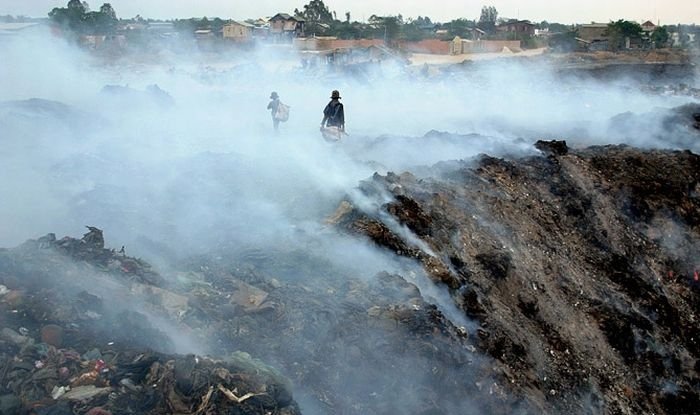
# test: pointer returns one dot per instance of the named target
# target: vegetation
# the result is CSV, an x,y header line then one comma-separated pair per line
x,y
459,27
619,31
190,25
317,16
488,19
78,18
563,42
660,36
554,27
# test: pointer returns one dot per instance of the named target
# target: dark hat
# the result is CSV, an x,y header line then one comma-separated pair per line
x,y
274,95
335,94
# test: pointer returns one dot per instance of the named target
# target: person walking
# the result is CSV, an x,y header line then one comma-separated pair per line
x,y
273,106
334,113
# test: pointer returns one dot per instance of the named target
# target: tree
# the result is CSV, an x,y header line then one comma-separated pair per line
x,y
564,42
316,12
618,32
78,18
318,17
71,17
423,20
347,17
460,27
389,26
660,36
488,19
77,6
104,21
108,12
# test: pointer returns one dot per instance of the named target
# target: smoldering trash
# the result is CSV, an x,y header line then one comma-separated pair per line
x,y
90,328
514,236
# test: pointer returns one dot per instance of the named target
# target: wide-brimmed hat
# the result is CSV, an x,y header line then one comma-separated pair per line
x,y
274,95
335,94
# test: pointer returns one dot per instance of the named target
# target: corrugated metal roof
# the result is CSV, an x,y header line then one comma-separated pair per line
x,y
244,24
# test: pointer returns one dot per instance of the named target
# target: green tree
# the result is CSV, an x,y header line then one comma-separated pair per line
x,y
423,20
618,32
70,17
564,41
389,26
317,16
108,12
488,18
412,31
460,27
660,36
316,11
78,6
78,18
102,22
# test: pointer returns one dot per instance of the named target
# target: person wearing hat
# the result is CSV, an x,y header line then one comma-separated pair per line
x,y
273,106
333,114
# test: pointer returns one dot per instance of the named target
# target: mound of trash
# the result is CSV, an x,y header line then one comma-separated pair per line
x,y
580,267
87,328
562,282
65,350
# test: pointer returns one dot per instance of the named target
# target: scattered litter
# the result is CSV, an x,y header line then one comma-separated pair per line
x,y
232,396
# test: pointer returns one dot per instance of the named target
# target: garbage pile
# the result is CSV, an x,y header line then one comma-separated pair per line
x,y
87,327
563,282
63,351
580,265
677,127
682,90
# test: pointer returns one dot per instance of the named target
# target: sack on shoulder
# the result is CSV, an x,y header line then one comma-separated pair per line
x,y
282,113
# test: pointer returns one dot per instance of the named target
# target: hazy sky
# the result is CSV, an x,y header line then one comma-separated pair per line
x,y
565,11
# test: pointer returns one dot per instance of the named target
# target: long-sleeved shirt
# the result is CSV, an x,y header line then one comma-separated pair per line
x,y
334,115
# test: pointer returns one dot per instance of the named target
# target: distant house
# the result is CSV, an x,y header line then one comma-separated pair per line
x,y
427,27
584,45
102,41
261,27
204,34
286,26
594,32
517,28
476,33
134,27
460,46
161,29
238,31
648,26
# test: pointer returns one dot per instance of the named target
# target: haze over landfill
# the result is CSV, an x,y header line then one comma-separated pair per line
x,y
502,217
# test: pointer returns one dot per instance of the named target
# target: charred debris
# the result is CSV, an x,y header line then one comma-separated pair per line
x,y
577,269
581,267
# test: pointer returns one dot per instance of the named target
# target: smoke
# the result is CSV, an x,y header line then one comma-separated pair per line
x,y
174,155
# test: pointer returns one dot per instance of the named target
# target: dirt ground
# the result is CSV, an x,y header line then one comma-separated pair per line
x,y
418,59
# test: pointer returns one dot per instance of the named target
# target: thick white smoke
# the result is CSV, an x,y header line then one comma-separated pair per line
x,y
193,166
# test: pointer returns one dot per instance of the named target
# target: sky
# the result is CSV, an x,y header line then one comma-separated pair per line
x,y
564,11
